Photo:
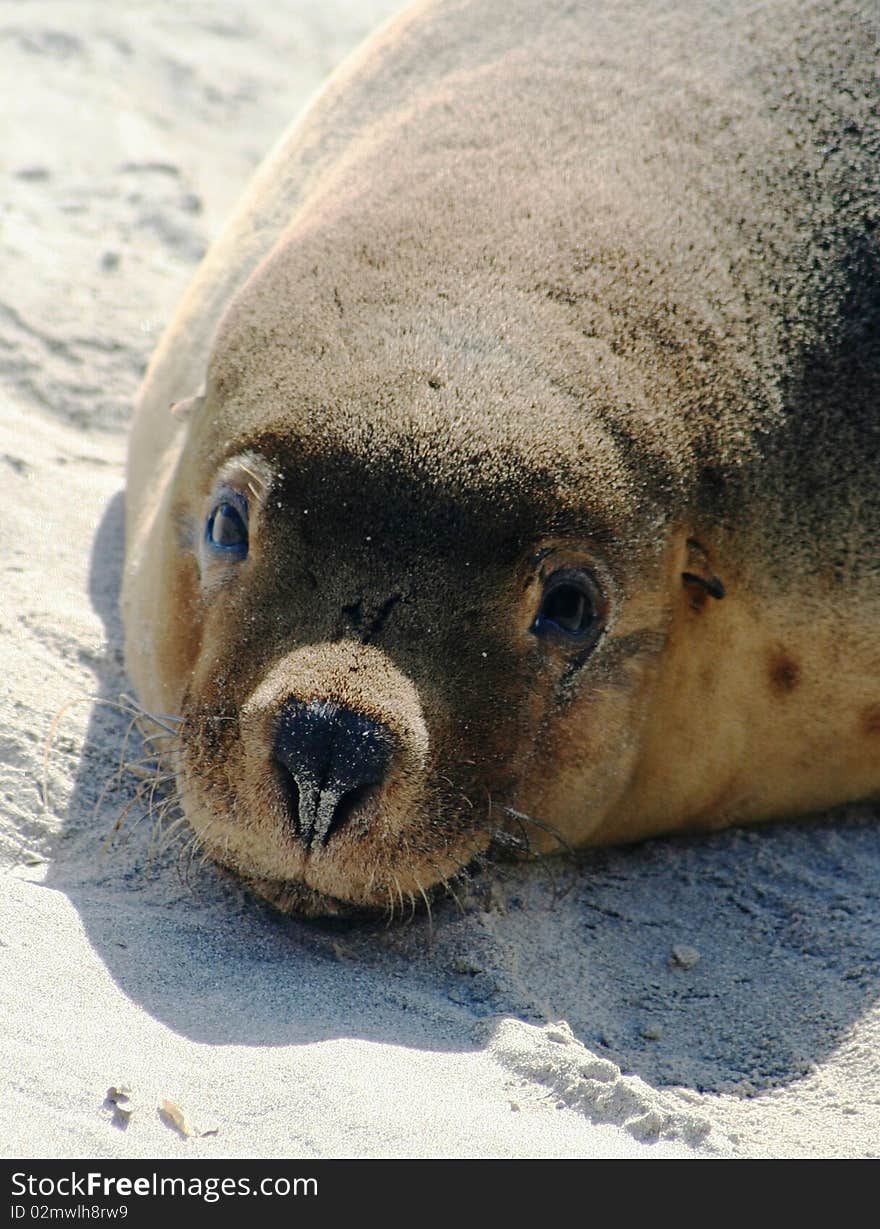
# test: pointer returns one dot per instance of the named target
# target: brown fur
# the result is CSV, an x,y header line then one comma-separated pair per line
x,y
532,287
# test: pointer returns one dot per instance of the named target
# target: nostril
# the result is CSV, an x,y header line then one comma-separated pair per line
x,y
348,804
289,788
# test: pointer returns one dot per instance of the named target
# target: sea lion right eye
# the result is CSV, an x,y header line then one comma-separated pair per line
x,y
571,608
226,529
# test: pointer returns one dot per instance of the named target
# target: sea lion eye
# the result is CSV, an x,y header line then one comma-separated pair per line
x,y
226,529
571,606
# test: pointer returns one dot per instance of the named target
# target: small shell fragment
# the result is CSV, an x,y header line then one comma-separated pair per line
x,y
173,1116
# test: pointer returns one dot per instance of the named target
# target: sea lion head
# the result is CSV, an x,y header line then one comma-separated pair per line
x,y
412,591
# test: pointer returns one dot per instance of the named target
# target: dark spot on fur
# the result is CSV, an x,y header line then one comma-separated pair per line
x,y
611,666
382,616
871,720
354,613
783,671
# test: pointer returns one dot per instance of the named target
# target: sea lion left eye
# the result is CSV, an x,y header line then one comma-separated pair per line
x,y
227,530
570,606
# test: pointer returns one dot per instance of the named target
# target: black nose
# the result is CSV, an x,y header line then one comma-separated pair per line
x,y
328,758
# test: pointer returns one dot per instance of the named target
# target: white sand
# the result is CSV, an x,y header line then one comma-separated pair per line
x,y
549,1017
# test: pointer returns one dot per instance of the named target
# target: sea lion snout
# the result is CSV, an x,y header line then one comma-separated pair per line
x,y
320,778
329,761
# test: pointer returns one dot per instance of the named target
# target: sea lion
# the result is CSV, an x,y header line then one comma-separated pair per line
x,y
523,486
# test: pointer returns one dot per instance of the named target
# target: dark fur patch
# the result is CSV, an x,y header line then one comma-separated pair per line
x,y
611,666
871,720
382,617
783,671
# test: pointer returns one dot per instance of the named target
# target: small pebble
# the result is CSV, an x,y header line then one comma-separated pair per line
x,y
119,1099
684,956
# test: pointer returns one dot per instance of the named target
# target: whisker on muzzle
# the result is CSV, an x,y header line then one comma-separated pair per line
x,y
521,818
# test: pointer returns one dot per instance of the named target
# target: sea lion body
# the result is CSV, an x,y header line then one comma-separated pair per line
x,y
526,484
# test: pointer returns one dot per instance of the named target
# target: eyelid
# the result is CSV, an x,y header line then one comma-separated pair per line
x,y
562,575
229,495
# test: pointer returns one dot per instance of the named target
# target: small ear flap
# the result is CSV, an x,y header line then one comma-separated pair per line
x,y
700,580
183,409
